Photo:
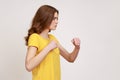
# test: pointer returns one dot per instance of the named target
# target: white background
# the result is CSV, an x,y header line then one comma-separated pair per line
x,y
95,22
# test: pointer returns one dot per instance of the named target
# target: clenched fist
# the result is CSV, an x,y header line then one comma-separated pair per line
x,y
76,42
52,45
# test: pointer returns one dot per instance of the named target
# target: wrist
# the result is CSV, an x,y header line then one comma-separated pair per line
x,y
77,47
47,49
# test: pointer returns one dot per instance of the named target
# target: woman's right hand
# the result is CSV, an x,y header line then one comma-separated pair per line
x,y
52,45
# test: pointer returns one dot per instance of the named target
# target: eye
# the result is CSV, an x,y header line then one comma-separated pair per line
x,y
55,18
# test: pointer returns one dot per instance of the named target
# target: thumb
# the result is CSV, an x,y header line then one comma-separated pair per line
x,y
72,40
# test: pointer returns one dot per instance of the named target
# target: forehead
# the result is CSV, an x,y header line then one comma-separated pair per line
x,y
56,14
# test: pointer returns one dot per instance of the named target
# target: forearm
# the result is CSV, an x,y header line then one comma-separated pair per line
x,y
74,53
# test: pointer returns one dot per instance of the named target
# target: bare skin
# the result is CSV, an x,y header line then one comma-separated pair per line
x,y
32,60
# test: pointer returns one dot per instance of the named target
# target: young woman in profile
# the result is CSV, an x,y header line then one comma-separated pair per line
x,y
44,50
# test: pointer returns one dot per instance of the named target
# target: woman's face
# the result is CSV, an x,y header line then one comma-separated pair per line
x,y
54,22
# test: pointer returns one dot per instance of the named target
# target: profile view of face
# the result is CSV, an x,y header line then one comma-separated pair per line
x,y
54,22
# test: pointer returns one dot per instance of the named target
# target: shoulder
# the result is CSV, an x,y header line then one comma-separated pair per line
x,y
33,40
53,37
34,35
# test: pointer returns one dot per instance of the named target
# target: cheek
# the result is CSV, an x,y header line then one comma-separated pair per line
x,y
52,23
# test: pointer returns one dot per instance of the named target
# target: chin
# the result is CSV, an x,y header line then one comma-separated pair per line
x,y
53,28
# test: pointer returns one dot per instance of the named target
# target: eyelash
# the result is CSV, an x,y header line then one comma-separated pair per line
x,y
55,18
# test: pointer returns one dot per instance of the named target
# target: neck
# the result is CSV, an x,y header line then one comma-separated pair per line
x,y
44,33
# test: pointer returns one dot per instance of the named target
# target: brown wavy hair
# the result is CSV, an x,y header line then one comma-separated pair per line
x,y
41,20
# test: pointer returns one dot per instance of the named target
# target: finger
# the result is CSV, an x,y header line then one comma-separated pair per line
x,y
72,40
77,41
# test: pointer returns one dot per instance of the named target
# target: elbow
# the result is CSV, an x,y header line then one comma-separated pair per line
x,y
28,68
71,60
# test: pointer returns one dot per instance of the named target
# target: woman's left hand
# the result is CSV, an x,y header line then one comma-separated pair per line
x,y
76,42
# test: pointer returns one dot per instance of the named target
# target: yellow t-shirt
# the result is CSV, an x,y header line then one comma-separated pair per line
x,y
49,68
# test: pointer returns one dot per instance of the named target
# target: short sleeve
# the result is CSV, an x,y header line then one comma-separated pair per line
x,y
33,40
53,37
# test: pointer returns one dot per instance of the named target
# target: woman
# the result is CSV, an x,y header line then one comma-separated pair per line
x,y
43,51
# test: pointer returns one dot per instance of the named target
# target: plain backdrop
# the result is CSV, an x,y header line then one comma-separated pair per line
x,y
95,22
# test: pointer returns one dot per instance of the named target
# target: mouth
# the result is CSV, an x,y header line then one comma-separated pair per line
x,y
55,25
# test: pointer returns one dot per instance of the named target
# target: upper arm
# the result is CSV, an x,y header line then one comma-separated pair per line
x,y
33,44
31,52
